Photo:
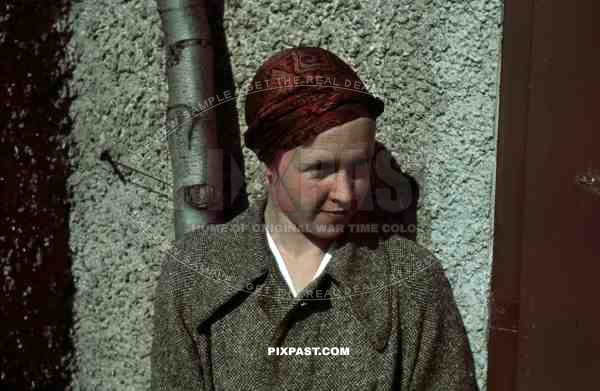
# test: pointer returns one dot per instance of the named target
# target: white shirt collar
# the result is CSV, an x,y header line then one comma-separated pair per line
x,y
284,270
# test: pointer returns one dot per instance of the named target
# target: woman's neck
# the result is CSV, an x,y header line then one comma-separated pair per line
x,y
294,242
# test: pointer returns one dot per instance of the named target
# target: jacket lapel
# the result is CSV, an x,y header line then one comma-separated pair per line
x,y
362,275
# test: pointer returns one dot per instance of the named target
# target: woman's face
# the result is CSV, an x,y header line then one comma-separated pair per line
x,y
321,185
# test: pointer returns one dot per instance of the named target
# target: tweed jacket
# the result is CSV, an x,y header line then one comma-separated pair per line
x,y
221,303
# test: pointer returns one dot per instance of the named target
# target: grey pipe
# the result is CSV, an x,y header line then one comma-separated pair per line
x,y
203,184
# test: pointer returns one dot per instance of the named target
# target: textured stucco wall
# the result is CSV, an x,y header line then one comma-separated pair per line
x,y
434,63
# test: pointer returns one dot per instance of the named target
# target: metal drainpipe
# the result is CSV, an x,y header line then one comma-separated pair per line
x,y
200,163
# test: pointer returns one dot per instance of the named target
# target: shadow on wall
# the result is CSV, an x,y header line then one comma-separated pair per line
x,y
227,115
36,282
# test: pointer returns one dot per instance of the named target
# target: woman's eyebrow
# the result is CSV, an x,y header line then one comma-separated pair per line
x,y
313,161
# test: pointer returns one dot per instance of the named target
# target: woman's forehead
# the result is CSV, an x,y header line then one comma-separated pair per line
x,y
350,139
338,150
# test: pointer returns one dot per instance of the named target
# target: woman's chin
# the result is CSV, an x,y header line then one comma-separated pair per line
x,y
328,230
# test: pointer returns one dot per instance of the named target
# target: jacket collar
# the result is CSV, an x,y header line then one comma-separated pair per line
x,y
357,277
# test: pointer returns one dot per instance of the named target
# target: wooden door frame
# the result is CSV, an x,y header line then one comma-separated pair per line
x,y
504,304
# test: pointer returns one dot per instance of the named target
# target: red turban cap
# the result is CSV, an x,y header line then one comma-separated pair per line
x,y
298,93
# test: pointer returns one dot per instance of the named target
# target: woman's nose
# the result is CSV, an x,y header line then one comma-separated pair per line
x,y
343,191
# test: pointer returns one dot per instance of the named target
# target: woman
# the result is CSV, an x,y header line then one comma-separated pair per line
x,y
289,272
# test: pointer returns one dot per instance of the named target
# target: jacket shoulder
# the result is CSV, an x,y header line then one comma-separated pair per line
x,y
414,267
197,254
203,271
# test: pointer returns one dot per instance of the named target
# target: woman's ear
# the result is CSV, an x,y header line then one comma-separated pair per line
x,y
269,176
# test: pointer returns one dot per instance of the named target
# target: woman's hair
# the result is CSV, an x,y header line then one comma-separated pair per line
x,y
394,195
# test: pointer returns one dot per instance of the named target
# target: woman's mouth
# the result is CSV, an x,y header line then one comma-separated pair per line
x,y
339,213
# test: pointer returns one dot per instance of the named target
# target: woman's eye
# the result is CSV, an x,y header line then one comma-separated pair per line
x,y
320,168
